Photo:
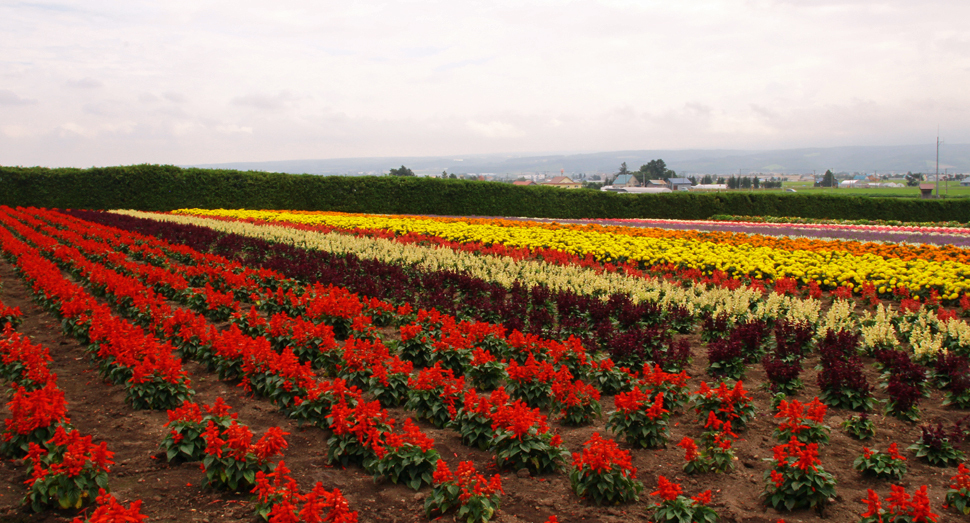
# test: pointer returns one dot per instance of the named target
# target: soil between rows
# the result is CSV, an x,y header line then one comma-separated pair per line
x,y
174,493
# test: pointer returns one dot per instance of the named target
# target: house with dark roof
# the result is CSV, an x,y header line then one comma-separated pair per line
x,y
679,184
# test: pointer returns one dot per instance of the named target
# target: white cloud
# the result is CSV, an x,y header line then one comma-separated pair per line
x,y
192,82
175,97
495,129
265,102
86,83
234,129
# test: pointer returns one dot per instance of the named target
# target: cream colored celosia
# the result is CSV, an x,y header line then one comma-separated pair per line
x,y
877,330
826,267
957,335
924,342
803,311
840,317
738,305
503,270
879,336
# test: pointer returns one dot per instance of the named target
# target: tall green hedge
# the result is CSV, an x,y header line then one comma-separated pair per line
x,y
166,187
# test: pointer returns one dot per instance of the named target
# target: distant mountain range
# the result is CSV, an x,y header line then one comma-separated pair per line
x,y
954,158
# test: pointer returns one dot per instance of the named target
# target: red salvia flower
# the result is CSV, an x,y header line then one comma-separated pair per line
x,y
962,478
667,490
873,505
921,511
893,452
898,500
271,444
213,441
703,498
690,449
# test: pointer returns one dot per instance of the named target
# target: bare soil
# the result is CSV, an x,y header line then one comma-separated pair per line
x,y
174,493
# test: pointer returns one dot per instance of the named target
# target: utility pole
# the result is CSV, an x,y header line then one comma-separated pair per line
x,y
937,162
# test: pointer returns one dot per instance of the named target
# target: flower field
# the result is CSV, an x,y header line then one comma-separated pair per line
x,y
214,365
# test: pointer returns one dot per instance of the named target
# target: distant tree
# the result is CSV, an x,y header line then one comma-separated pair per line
x,y
655,170
592,185
756,183
745,183
623,169
707,179
453,176
520,179
828,179
402,171
912,180
444,174
693,180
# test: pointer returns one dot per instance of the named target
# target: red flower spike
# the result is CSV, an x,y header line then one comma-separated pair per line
x,y
667,490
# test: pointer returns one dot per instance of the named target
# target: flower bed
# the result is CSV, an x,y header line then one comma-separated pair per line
x,y
728,423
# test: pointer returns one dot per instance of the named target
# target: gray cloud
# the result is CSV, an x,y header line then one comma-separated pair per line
x,y
175,97
265,102
8,97
86,83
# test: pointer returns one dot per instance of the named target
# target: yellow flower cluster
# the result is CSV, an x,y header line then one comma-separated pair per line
x,y
739,305
827,268
925,333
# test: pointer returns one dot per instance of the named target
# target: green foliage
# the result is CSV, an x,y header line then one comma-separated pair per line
x,y
429,405
408,465
401,171
487,376
638,429
859,426
154,392
167,187
539,453
228,473
942,455
828,179
889,465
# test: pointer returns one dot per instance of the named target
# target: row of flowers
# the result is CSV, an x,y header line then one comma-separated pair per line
x,y
126,354
830,264
952,226
928,332
554,256
718,295
514,413
367,441
67,469
383,452
231,462
464,229
656,410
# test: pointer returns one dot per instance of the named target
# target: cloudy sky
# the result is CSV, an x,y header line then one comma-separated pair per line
x,y
197,81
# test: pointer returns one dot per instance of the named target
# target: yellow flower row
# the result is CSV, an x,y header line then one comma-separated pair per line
x,y
926,334
828,268
739,304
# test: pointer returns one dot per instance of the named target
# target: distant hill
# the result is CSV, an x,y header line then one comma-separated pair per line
x,y
886,159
